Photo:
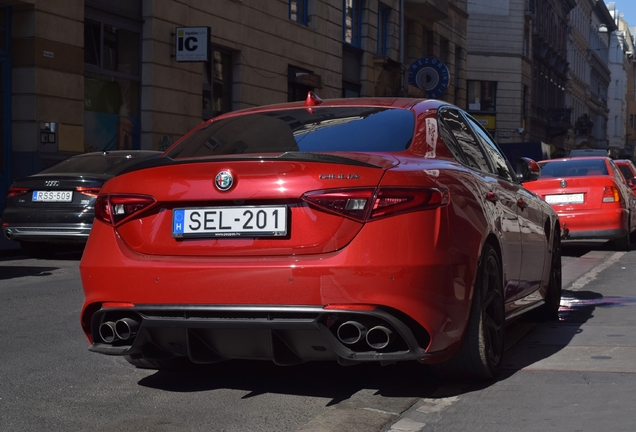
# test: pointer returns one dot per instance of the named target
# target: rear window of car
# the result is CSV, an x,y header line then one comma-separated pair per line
x,y
98,163
627,173
329,129
573,168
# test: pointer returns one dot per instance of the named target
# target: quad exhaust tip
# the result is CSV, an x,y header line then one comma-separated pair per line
x,y
352,332
379,337
122,329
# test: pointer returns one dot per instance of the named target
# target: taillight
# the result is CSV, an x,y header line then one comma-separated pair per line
x,y
611,194
368,204
17,191
113,209
88,191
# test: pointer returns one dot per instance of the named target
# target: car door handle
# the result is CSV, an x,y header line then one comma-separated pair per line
x,y
521,203
492,197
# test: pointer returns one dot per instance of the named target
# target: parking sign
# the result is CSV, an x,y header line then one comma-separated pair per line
x,y
191,44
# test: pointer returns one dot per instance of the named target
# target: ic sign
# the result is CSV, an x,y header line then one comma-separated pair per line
x,y
191,44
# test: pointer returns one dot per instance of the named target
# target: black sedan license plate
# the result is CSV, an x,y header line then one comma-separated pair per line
x,y
258,221
52,196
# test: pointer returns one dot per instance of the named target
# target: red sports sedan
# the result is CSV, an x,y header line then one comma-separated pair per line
x,y
591,197
346,230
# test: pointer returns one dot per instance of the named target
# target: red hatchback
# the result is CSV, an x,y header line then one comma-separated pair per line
x,y
591,197
347,230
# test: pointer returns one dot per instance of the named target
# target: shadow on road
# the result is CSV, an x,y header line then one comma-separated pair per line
x,y
407,379
11,272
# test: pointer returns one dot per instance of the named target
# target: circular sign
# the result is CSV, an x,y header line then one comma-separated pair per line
x,y
431,75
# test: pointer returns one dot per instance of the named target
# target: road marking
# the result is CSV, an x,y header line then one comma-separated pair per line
x,y
591,275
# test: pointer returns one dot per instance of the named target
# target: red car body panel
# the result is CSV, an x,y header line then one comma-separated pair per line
x,y
415,269
592,218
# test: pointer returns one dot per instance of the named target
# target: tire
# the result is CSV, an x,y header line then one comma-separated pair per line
x,y
39,249
156,364
550,310
624,243
481,352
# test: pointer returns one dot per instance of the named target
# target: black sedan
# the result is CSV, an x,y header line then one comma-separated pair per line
x,y
54,209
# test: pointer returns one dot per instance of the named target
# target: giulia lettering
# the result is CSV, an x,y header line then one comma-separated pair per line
x,y
339,176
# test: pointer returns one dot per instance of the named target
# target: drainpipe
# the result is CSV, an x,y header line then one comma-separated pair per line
x,y
401,54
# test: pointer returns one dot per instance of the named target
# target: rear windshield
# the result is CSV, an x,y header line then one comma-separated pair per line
x,y
339,129
573,168
99,163
627,173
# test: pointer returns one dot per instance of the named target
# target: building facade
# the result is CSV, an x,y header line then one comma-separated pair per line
x,y
619,64
98,75
499,71
589,75
518,69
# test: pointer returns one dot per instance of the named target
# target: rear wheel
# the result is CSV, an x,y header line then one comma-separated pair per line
x,y
624,243
482,348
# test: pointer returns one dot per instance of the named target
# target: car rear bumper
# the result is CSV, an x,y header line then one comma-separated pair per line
x,y
284,335
595,224
422,284
76,233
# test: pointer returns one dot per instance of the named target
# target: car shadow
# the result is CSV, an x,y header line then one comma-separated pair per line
x,y
13,272
405,379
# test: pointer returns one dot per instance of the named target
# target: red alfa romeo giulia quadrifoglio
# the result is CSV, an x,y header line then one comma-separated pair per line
x,y
344,230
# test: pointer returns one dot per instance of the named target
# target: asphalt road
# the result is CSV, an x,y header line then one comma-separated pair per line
x,y
577,374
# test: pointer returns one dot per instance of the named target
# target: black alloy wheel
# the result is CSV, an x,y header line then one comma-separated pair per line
x,y
481,352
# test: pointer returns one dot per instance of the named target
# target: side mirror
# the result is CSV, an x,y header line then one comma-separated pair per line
x,y
527,170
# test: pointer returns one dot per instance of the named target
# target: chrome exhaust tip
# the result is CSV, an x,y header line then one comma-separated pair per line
x,y
126,328
351,332
107,332
379,337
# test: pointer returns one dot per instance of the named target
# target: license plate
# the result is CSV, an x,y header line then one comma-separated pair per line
x,y
258,221
565,199
52,196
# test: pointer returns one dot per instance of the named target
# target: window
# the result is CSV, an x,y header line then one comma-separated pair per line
x,y
499,160
352,22
482,95
217,83
324,129
383,23
472,151
298,11
300,82
112,64
351,86
616,125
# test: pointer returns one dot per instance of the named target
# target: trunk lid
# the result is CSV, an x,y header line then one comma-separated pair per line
x,y
573,193
264,188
